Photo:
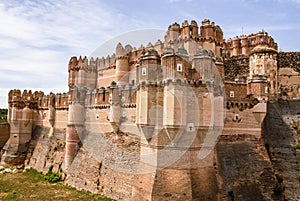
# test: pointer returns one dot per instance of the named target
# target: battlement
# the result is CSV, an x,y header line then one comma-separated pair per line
x,y
193,85
211,32
209,35
102,98
20,100
37,100
244,44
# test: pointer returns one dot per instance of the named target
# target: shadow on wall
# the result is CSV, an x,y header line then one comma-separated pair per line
x,y
281,130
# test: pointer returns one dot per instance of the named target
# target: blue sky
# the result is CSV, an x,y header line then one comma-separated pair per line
x,y
37,38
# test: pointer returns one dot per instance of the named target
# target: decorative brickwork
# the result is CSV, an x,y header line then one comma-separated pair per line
x,y
144,123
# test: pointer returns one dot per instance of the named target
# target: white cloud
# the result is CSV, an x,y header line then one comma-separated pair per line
x,y
37,38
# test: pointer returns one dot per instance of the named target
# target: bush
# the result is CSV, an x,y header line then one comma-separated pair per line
x,y
52,177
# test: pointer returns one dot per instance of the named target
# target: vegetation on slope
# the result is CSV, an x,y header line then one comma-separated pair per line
x,y
31,185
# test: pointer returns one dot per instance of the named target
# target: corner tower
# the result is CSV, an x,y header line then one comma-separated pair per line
x,y
21,120
263,77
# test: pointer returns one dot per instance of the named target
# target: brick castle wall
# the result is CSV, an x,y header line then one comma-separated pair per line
x,y
4,134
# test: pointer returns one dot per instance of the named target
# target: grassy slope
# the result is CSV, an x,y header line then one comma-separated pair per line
x,y
31,186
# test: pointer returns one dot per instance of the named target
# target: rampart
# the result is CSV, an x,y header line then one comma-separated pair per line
x,y
194,87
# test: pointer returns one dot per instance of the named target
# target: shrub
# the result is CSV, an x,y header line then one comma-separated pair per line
x,y
52,177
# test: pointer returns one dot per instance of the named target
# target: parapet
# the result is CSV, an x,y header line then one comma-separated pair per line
x,y
211,32
206,22
37,100
19,99
185,31
61,101
244,44
194,23
174,27
75,64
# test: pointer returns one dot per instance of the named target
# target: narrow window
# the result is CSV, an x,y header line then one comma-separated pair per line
x,y
103,97
231,94
144,71
179,67
266,90
190,127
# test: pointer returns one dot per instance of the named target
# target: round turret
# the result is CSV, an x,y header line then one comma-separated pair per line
x,y
168,51
173,32
182,52
122,64
194,30
150,54
263,64
201,62
149,66
185,32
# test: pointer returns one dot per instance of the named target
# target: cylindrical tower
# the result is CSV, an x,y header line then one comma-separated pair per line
x,y
21,107
185,30
173,32
219,41
115,109
51,112
75,126
263,76
71,70
175,67
122,66
91,77
236,46
245,45
149,94
194,29
80,79
208,35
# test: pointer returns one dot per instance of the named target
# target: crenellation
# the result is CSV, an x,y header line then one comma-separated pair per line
x,y
107,59
243,45
120,51
61,101
191,82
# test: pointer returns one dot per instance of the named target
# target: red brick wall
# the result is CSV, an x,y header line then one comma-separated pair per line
x,y
258,89
239,90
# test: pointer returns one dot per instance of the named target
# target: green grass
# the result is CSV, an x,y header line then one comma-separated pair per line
x,y
31,185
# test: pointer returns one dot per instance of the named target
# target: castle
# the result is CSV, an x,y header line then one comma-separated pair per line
x,y
158,112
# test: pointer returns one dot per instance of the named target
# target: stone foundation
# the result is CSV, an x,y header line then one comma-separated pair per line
x,y
281,136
